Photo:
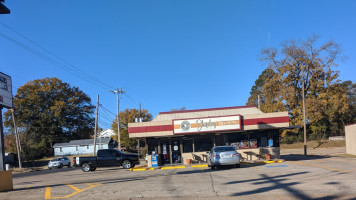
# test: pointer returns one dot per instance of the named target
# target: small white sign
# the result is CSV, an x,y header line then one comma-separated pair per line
x,y
5,91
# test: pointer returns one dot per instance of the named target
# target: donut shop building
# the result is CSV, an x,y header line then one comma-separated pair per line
x,y
180,135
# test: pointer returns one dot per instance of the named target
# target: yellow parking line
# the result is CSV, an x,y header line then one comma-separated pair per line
x,y
48,191
307,164
74,188
319,161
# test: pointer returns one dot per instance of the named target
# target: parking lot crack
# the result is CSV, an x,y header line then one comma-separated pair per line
x,y
212,184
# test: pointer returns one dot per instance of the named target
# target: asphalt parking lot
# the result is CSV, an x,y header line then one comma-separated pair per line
x,y
312,177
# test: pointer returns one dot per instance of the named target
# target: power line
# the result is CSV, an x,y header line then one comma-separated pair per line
x,y
59,58
105,117
54,62
66,66
107,110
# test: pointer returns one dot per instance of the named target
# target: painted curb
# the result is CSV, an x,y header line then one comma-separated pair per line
x,y
142,169
175,167
201,166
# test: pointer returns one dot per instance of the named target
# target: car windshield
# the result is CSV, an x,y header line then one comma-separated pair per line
x,y
222,149
56,159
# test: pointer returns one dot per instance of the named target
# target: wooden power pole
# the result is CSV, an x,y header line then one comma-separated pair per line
x,y
18,141
96,124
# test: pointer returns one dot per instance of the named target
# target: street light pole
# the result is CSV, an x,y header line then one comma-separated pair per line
x,y
117,91
305,128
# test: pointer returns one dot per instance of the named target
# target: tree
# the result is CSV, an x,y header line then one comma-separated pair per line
x,y
268,100
128,116
179,109
299,62
49,111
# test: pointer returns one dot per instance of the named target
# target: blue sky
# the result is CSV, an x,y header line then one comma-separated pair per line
x,y
165,54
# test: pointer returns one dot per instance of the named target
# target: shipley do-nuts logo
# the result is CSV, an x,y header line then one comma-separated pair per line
x,y
185,125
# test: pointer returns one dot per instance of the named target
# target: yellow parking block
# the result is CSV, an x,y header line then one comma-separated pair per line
x,y
199,166
142,169
270,161
175,167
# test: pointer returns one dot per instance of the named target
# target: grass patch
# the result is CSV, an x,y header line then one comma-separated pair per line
x,y
17,170
315,144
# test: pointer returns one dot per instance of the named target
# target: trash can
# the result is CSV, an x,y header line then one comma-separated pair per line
x,y
189,161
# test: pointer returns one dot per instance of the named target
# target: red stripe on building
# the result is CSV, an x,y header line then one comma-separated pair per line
x,y
245,122
144,129
270,120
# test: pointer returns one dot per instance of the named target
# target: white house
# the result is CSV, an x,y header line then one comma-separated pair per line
x,y
106,133
79,147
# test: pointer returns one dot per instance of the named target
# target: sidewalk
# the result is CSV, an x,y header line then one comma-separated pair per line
x,y
201,165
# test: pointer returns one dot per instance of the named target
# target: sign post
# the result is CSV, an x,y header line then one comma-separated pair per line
x,y
5,102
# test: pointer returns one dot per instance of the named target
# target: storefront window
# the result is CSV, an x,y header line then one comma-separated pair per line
x,y
152,146
203,143
188,146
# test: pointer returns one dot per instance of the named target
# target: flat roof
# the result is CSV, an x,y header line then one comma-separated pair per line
x,y
207,109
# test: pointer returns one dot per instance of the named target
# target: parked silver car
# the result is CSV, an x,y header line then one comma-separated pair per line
x,y
223,155
59,163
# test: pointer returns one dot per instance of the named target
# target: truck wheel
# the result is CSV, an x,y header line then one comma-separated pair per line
x,y
86,167
126,164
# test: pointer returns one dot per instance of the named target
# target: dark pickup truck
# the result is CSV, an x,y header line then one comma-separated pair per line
x,y
106,158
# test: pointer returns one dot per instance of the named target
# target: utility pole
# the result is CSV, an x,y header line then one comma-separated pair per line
x,y
117,91
139,114
139,120
96,124
2,144
305,128
18,141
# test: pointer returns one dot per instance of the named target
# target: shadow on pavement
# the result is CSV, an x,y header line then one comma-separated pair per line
x,y
298,157
278,183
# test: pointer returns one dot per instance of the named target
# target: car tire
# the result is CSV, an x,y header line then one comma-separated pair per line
x,y
237,166
60,166
212,167
92,169
86,167
126,164
69,165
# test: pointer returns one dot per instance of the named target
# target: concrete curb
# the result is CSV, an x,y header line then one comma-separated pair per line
x,y
145,168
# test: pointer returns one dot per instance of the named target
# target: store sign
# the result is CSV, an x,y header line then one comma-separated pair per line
x,y
5,91
211,124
